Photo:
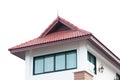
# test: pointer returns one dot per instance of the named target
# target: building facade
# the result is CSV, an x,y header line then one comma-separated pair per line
x,y
65,52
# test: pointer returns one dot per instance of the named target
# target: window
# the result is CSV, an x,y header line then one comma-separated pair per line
x,y
60,61
117,77
92,59
71,60
38,65
55,62
49,63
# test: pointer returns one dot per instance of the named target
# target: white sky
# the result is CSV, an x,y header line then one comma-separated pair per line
x,y
22,20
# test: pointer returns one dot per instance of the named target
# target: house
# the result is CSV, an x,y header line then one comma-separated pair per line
x,y
65,52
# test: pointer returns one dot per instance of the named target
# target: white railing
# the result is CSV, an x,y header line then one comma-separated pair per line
x,y
90,67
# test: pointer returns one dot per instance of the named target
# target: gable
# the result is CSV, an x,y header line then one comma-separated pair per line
x,y
58,27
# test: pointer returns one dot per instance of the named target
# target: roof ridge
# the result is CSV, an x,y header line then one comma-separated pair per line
x,y
64,22
49,27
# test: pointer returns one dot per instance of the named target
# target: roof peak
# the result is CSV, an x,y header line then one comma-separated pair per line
x,y
59,24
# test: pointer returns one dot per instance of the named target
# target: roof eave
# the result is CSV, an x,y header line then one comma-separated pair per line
x,y
109,54
20,52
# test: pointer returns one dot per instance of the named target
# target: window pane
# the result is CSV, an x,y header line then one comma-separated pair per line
x,y
60,62
38,68
49,63
71,59
117,76
92,59
55,62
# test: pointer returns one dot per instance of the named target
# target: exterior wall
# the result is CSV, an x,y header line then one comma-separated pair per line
x,y
61,75
82,62
109,72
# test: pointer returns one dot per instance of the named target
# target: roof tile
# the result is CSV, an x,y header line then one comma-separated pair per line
x,y
53,37
49,36
56,36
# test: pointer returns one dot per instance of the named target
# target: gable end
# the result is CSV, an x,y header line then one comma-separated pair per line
x,y
59,24
58,27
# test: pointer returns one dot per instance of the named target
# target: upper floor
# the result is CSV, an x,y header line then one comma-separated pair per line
x,y
62,61
64,51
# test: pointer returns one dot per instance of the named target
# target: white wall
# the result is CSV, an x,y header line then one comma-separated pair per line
x,y
61,75
110,70
82,62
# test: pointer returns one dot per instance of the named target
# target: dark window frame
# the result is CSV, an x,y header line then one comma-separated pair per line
x,y
45,57
91,55
55,61
117,75
54,54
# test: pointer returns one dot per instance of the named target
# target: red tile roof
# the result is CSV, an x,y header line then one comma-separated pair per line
x,y
59,32
56,36
63,21
53,37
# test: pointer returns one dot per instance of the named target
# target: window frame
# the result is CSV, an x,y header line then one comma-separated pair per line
x,y
54,65
66,66
89,54
55,62
117,75
44,63
34,65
